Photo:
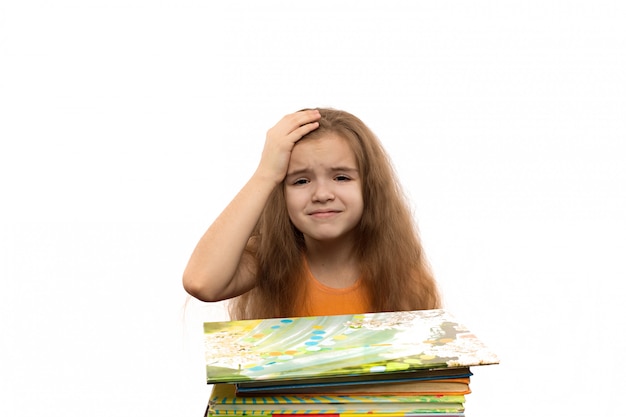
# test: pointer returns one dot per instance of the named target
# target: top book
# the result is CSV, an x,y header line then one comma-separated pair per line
x,y
371,344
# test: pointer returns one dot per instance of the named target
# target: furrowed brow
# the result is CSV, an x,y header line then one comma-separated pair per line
x,y
344,169
298,172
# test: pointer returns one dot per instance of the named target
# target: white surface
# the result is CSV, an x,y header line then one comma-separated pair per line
x,y
127,126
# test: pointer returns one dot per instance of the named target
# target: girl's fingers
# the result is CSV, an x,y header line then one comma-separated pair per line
x,y
281,139
301,122
304,129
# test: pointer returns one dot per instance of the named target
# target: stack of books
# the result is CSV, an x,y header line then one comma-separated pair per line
x,y
409,363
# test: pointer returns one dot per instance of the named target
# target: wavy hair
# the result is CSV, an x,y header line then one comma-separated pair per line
x,y
393,265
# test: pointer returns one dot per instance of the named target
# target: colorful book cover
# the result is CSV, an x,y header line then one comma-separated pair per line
x,y
371,344
225,402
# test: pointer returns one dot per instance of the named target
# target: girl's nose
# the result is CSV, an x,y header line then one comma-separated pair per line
x,y
323,192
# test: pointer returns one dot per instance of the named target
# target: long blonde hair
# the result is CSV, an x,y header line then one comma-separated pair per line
x,y
393,265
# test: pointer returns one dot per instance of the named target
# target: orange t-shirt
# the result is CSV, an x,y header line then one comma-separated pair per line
x,y
322,300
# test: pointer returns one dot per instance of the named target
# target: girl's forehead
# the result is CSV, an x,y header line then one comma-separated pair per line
x,y
325,149
328,139
325,142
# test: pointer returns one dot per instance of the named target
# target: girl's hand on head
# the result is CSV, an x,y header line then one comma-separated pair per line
x,y
281,139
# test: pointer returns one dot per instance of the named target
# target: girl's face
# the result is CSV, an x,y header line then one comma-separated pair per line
x,y
323,188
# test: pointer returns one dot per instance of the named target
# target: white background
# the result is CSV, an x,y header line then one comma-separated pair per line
x,y
126,127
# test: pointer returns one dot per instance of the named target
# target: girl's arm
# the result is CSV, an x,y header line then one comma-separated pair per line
x,y
219,267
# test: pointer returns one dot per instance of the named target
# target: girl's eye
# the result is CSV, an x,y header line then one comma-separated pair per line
x,y
300,181
342,178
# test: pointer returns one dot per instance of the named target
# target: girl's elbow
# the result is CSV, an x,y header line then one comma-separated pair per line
x,y
197,290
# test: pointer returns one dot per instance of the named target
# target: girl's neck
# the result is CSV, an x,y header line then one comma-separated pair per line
x,y
333,265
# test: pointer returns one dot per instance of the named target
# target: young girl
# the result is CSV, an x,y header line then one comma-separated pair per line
x,y
321,228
